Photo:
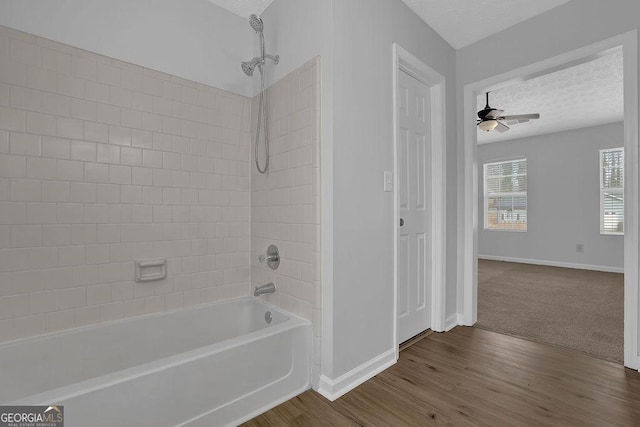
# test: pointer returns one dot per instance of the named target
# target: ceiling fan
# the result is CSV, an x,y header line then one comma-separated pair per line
x,y
492,118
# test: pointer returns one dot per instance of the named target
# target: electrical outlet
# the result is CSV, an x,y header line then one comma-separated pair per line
x,y
579,247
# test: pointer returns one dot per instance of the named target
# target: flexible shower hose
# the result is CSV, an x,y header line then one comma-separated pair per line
x,y
262,118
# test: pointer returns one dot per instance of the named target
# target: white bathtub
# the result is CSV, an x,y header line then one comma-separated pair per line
x,y
212,365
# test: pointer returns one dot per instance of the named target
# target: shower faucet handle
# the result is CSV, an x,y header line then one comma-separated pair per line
x,y
272,257
262,258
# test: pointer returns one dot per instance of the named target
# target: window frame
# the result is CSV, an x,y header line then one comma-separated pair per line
x,y
602,190
486,194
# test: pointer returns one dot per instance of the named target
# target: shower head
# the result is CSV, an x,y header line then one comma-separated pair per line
x,y
256,23
248,67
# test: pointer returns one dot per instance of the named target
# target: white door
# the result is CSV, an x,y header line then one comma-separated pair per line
x,y
414,289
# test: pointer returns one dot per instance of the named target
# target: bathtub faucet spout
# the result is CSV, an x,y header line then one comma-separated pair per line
x,y
269,288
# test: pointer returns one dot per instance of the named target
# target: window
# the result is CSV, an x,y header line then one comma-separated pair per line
x,y
612,191
505,195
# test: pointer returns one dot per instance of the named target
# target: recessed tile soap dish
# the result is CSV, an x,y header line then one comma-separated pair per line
x,y
151,270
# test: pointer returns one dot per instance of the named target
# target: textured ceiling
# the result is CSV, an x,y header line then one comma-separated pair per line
x,y
462,22
584,95
243,8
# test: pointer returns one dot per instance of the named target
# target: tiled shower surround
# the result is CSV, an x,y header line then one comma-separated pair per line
x,y
285,203
102,163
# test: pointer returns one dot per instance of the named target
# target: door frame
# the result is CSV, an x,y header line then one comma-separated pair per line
x,y
468,220
403,61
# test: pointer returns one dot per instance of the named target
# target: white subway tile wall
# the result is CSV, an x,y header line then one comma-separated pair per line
x,y
104,162
285,202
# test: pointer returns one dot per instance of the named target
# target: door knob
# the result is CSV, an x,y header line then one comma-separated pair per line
x,y
401,222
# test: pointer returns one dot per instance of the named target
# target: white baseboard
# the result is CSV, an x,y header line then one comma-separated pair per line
x,y
452,321
635,363
604,268
334,388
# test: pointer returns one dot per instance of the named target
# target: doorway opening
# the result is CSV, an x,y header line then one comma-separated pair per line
x,y
470,217
551,217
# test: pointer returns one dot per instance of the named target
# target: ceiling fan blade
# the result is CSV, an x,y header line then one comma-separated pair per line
x,y
501,127
493,114
515,122
521,117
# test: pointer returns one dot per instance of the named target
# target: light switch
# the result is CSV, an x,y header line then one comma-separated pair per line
x,y
388,181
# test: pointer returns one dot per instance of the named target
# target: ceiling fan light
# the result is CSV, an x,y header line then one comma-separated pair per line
x,y
488,125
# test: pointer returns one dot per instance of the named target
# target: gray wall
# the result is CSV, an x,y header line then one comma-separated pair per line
x,y
355,39
297,30
563,199
364,32
193,39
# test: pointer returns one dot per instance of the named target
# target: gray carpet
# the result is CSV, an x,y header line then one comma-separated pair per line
x,y
578,309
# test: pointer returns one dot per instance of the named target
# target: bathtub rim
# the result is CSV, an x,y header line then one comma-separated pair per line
x,y
89,385
91,326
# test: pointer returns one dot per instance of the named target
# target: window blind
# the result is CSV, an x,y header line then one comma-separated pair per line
x,y
612,191
505,195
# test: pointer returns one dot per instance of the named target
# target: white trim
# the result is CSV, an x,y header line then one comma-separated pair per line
x,y
333,389
605,268
396,196
406,62
451,322
468,276
631,198
325,290
438,206
468,220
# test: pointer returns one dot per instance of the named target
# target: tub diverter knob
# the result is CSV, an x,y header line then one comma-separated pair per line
x,y
272,257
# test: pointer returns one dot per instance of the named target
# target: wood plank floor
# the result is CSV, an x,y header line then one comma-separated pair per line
x,y
474,377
